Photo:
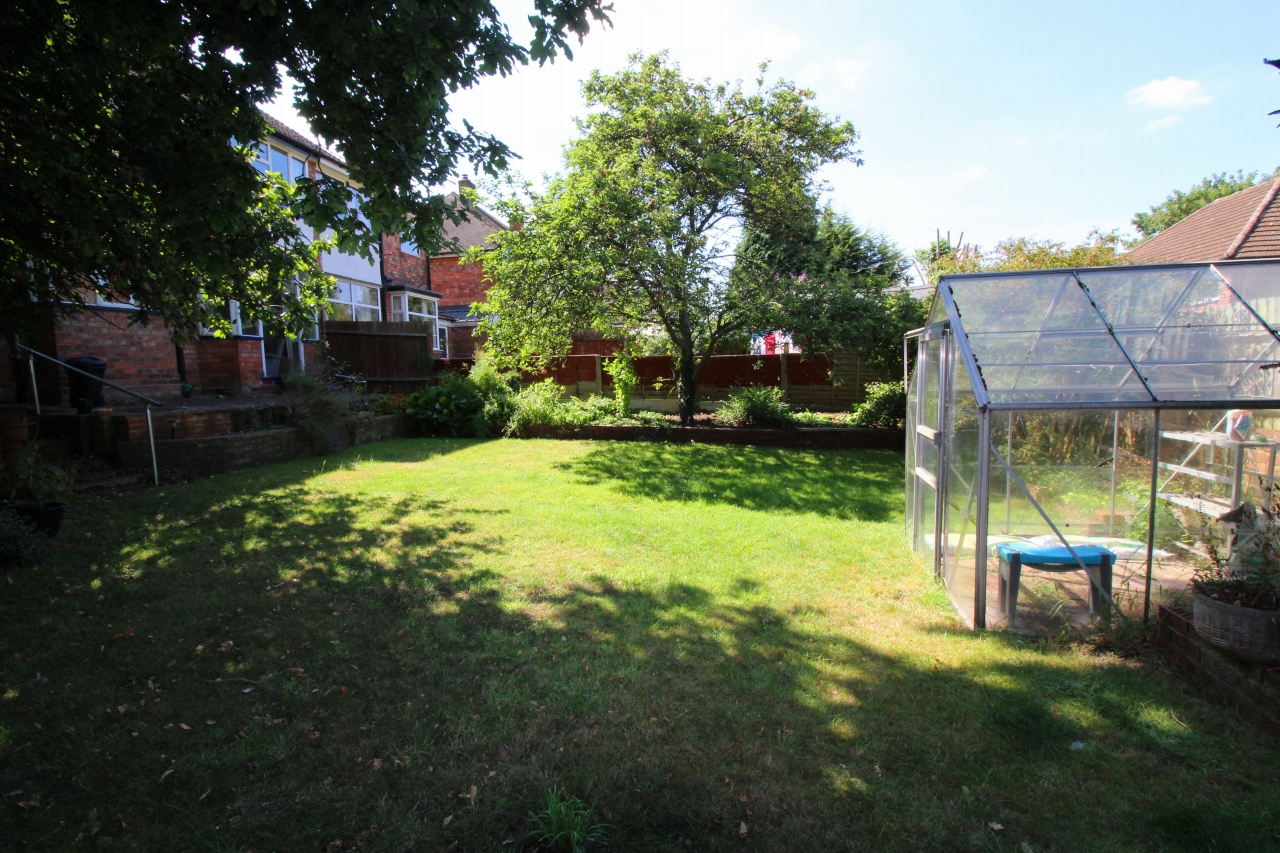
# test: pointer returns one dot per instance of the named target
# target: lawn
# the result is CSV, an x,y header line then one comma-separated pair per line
x,y
718,648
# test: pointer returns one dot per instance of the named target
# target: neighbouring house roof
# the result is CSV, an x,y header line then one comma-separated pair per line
x,y
457,314
472,232
292,136
1243,225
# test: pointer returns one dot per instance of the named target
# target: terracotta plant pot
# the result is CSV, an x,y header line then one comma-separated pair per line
x,y
1243,631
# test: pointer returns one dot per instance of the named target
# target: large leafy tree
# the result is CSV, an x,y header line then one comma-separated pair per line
x,y
1179,205
639,234
117,169
846,288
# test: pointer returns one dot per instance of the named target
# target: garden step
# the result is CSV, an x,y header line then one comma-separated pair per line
x,y
112,479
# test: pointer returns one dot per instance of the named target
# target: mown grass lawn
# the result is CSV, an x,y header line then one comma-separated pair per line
x,y
404,647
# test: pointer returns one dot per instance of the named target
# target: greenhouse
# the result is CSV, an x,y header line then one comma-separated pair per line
x,y
1074,436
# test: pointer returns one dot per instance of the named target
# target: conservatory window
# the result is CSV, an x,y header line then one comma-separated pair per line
x,y
351,301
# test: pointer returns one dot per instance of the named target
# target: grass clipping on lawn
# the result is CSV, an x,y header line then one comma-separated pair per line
x,y
714,648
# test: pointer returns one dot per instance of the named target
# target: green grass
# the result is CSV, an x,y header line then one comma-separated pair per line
x,y
714,648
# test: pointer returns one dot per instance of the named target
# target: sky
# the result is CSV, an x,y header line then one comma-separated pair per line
x,y
991,119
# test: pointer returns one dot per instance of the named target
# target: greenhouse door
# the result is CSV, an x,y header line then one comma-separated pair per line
x,y
931,376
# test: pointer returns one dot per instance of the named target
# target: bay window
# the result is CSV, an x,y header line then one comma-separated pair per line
x,y
351,301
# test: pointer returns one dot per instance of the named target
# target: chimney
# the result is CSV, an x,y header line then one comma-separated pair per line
x,y
465,183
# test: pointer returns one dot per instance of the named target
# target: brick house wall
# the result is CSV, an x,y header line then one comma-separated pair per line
x,y
401,267
457,284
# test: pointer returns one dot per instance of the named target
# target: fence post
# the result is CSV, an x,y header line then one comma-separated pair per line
x,y
782,361
599,377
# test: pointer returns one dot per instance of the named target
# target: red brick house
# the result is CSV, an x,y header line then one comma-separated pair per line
x,y
1245,224
141,356
459,285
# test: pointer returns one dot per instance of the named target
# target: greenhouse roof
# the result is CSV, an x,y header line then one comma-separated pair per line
x,y
1197,335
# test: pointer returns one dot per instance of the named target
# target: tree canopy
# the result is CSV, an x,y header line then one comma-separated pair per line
x,y
641,230
846,288
1099,249
1179,205
117,169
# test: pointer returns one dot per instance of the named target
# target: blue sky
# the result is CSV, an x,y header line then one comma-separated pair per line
x,y
991,118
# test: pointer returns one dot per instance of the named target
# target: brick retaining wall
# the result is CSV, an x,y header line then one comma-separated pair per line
x,y
1252,689
215,454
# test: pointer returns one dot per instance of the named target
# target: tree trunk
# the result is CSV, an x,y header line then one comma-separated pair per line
x,y
687,386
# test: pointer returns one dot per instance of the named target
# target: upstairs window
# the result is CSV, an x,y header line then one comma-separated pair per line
x,y
269,158
351,301
408,246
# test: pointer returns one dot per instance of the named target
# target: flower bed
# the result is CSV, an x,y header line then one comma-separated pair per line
x,y
884,439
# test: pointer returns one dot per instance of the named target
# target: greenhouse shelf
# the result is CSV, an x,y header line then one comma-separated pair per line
x,y
1210,504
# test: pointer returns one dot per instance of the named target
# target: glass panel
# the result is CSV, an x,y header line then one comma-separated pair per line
x,y
1038,338
260,160
1189,334
1258,285
1094,494
364,295
367,314
417,305
280,162
912,399
961,491
299,169
338,311
442,338
937,311
341,292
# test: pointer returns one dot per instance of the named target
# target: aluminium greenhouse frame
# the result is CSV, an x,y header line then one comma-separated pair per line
x,y
1157,337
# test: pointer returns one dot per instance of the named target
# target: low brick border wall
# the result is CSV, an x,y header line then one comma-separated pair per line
x,y
215,454
1252,689
880,439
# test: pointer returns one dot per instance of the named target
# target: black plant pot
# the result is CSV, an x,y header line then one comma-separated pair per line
x,y
44,516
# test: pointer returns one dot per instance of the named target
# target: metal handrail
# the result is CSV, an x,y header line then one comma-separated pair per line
x,y
35,393
145,399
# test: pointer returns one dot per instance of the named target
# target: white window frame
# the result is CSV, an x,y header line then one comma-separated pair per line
x,y
262,160
353,305
400,313
442,341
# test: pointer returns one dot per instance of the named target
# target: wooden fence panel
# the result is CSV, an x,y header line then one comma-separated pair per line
x,y
391,356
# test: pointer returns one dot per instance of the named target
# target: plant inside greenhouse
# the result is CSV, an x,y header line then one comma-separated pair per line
x,y
1085,442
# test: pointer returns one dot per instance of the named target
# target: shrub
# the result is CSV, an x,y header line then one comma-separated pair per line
x,y
625,381
387,404
454,407
20,542
537,405
756,406
34,479
498,389
885,406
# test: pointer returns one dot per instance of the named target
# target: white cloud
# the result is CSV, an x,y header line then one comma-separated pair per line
x,y
976,172
1171,93
851,71
1167,121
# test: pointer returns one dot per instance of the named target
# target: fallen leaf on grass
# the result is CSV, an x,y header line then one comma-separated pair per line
x,y
346,690
446,820
298,671
32,803
742,828
995,827
184,727
165,774
377,764
205,794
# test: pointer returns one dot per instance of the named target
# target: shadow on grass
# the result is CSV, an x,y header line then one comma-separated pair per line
x,y
862,484
321,672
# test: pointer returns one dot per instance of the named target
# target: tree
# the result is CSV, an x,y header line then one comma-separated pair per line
x,y
847,288
1180,205
118,173
640,231
1100,249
